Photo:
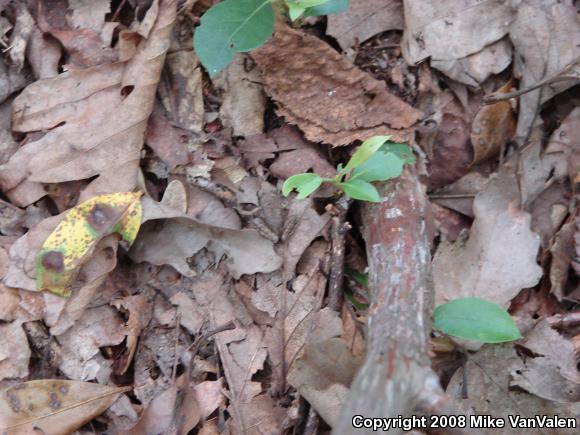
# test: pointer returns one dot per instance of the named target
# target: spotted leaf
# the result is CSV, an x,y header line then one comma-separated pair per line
x,y
72,242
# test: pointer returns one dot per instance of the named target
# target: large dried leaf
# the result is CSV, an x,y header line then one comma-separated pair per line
x,y
334,101
53,406
97,118
180,237
499,259
451,29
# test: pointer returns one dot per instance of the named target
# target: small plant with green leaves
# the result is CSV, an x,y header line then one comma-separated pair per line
x,y
376,159
238,26
475,319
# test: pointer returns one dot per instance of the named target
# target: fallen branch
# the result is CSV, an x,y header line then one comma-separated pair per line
x,y
396,376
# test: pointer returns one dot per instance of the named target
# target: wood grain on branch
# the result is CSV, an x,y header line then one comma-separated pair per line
x,y
396,376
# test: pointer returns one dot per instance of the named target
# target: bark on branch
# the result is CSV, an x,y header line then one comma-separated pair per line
x,y
396,376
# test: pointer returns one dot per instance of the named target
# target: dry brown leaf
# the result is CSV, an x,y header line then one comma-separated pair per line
x,y
96,117
492,129
552,374
21,32
244,101
499,259
14,351
302,160
98,327
451,29
488,376
140,313
334,101
541,34
363,19
53,406
562,252
167,141
566,140
209,395
181,236
191,316
323,375
181,88
474,69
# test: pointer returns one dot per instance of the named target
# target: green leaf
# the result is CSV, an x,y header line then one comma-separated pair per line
x,y
229,27
295,11
476,319
352,299
401,150
305,3
328,8
305,184
381,166
360,189
361,278
365,151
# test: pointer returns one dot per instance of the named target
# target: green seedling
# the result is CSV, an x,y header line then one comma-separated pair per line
x,y
375,160
238,26
475,319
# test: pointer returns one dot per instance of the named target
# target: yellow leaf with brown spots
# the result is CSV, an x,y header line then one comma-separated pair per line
x,y
72,242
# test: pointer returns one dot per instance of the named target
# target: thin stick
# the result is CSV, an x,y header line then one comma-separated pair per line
x,y
338,232
557,77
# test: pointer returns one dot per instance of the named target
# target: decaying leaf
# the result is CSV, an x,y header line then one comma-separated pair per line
x,y
53,406
499,259
334,101
76,236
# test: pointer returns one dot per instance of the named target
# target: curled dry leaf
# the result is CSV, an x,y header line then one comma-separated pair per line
x,y
53,406
334,101
95,120
492,129
180,237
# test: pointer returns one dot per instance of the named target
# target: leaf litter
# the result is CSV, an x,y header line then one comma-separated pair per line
x,y
216,317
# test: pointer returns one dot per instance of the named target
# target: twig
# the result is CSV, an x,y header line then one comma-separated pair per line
x,y
451,195
198,341
554,78
175,357
565,320
396,374
338,232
